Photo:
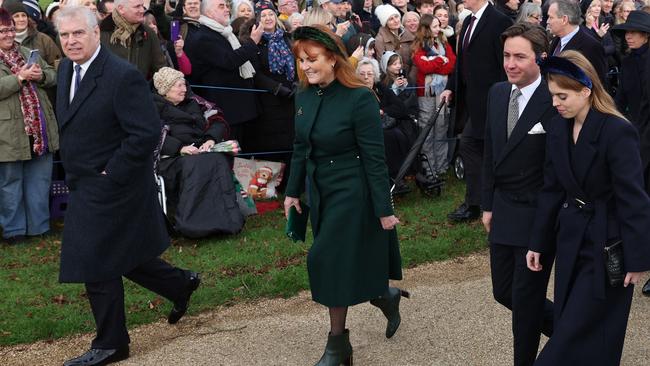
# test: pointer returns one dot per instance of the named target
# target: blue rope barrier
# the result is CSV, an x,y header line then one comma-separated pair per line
x,y
228,88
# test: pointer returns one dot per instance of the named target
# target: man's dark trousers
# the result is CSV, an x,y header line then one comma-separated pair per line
x,y
107,299
524,292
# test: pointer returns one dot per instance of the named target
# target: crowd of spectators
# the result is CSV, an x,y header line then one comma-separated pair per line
x,y
238,56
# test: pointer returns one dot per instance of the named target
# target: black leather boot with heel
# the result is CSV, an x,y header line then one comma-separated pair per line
x,y
388,303
338,351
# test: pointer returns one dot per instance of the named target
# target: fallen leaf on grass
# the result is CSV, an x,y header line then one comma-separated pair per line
x,y
154,304
59,299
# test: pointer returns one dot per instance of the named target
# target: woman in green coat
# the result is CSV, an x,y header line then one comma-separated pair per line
x,y
339,148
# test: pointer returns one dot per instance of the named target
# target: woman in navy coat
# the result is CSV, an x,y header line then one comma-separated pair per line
x,y
593,196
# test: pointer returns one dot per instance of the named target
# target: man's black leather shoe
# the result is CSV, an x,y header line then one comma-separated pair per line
x,y
646,288
465,213
180,308
98,357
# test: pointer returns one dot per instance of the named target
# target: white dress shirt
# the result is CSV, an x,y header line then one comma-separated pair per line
x,y
564,40
84,68
526,93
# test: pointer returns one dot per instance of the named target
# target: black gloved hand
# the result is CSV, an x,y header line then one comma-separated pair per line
x,y
283,91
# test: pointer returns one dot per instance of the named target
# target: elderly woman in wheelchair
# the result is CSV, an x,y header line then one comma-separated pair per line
x,y
200,191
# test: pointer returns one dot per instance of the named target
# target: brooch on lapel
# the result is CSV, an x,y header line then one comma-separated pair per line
x,y
299,112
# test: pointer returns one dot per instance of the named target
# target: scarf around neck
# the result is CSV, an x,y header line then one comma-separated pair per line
x,y
435,83
123,30
246,71
29,103
21,36
281,60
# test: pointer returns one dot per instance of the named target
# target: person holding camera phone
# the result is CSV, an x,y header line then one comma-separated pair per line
x,y
28,138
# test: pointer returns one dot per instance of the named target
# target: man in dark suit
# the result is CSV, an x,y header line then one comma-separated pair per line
x,y
564,18
480,54
219,59
513,173
114,225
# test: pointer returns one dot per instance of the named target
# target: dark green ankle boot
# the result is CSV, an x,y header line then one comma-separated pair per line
x,y
388,303
338,351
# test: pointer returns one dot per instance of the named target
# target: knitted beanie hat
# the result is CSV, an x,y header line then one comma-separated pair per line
x,y
263,5
52,8
164,79
14,6
383,12
33,9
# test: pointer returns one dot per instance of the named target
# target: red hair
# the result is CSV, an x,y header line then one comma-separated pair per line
x,y
5,18
343,70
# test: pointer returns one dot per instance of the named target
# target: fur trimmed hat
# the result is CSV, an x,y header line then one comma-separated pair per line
x,y
164,79
383,12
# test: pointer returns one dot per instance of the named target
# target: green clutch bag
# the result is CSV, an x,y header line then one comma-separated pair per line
x,y
297,223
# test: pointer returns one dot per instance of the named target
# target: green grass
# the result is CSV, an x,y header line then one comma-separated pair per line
x,y
259,262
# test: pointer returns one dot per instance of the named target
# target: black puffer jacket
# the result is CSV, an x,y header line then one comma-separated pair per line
x,y
187,125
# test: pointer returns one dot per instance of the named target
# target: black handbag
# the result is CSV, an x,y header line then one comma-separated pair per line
x,y
614,263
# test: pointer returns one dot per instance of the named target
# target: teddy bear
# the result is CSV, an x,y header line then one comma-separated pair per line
x,y
257,187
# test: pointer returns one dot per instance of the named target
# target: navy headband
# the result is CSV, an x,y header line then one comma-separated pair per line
x,y
562,66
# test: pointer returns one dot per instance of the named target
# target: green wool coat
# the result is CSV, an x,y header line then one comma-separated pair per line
x,y
339,148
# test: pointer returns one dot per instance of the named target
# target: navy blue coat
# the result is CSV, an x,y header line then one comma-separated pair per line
x,y
590,315
513,167
113,222
591,48
608,175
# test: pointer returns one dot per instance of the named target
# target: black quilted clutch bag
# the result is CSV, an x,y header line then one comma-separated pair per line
x,y
614,263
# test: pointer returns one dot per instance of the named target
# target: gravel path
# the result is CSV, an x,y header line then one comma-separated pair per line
x,y
451,319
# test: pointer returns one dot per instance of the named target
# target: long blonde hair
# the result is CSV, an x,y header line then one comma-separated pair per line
x,y
599,99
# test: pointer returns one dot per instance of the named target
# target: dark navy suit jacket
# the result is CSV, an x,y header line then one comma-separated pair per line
x,y
513,168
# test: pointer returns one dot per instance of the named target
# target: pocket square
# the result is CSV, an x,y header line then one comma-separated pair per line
x,y
538,129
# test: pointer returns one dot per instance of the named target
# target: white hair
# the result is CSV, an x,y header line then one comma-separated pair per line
x,y
205,5
235,7
372,62
76,12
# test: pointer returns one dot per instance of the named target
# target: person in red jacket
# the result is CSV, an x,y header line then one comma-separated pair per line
x,y
434,59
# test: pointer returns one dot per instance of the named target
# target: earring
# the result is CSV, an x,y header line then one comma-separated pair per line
x,y
333,65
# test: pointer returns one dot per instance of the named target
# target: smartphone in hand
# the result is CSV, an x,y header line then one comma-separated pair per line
x,y
175,30
33,57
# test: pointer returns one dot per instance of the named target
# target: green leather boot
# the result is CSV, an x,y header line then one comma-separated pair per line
x,y
388,303
338,351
